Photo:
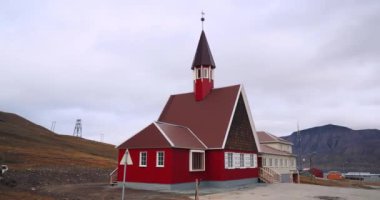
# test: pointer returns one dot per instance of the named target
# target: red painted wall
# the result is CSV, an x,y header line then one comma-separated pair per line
x,y
176,169
217,172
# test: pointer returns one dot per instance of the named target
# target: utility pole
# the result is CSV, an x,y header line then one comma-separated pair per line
x,y
78,128
52,126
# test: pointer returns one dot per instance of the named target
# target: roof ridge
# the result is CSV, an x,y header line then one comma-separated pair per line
x,y
164,134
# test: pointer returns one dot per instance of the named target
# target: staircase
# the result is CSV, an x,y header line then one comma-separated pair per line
x,y
113,177
269,175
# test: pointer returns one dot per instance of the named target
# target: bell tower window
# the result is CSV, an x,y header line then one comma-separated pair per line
x,y
199,73
205,73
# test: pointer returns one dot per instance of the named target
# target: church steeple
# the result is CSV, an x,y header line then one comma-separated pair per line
x,y
203,66
203,54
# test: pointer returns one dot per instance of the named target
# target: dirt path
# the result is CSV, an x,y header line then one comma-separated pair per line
x,y
104,191
296,191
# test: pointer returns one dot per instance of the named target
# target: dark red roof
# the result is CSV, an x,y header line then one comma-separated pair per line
x,y
208,119
203,54
149,137
164,135
180,136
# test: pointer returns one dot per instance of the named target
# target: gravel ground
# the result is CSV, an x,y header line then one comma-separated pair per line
x,y
295,191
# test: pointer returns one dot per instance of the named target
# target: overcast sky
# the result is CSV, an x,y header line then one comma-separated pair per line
x,y
114,64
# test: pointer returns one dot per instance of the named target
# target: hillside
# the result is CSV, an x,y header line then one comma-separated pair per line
x,y
25,145
339,148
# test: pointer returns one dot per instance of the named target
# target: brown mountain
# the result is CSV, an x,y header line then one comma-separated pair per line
x,y
25,145
333,147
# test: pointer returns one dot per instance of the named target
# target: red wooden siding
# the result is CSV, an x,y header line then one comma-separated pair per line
x,y
176,168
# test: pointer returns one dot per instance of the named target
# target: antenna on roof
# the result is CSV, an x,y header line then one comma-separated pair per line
x,y
202,18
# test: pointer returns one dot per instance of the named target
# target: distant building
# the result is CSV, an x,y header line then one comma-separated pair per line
x,y
207,134
277,162
363,176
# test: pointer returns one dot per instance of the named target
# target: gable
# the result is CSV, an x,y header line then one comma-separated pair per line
x,y
149,137
241,135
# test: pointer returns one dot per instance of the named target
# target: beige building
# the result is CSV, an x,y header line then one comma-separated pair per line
x,y
278,163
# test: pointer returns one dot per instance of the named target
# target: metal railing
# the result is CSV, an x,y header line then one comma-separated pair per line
x,y
113,176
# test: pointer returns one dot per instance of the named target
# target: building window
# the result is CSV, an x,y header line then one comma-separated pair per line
x,y
264,162
199,73
205,73
286,162
270,162
143,159
281,163
251,160
229,161
241,160
197,160
275,162
160,158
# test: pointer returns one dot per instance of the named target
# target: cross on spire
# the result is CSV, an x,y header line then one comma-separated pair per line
x,y
203,18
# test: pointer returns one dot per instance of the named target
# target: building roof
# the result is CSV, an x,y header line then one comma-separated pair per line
x,y
203,56
150,137
208,119
269,150
164,135
180,136
265,137
186,123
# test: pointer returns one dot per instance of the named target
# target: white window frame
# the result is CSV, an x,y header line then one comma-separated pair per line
x,y
146,159
228,160
241,159
252,160
158,160
191,161
205,73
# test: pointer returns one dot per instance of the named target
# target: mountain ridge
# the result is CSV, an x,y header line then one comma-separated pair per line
x,y
335,147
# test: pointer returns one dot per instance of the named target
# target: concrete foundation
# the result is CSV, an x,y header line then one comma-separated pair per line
x,y
190,185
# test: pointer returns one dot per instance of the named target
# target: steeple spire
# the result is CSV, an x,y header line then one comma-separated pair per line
x,y
203,56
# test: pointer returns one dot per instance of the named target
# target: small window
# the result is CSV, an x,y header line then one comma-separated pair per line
x,y
252,159
160,159
270,162
205,73
264,162
143,159
199,73
281,164
275,162
197,160
241,160
286,162
229,161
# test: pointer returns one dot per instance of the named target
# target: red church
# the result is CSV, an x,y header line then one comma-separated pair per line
x,y
207,134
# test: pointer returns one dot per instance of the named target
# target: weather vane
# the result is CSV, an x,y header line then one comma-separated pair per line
x,y
203,18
